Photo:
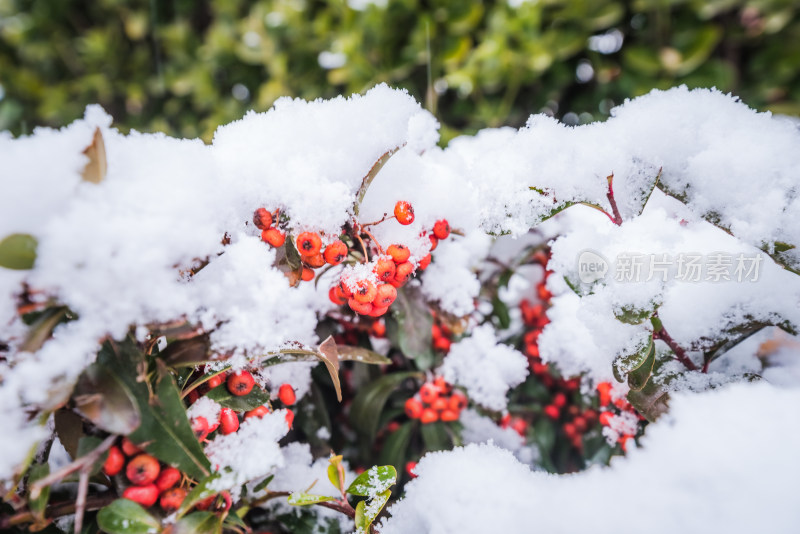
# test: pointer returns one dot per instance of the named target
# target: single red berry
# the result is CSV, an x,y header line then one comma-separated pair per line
x,y
404,212
168,478
411,469
532,350
259,412
200,428
540,369
605,418
520,426
458,402
307,274
580,425
315,262
440,404
590,416
444,387
262,219
193,396
404,272
551,411
393,426
623,442
309,243
335,294
505,421
214,381
365,291
241,383
442,344
228,421
569,430
289,418
146,495
385,268
114,462
142,469
577,442
428,416
604,390
424,262
428,393
129,448
378,311
384,296
449,415
399,253
543,293
436,331
273,237
286,394
434,242
347,292
441,229
363,308
560,400
413,408
335,253
172,499
206,503
378,329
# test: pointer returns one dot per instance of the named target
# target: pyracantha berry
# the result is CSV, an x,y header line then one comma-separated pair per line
x,y
335,294
167,479
404,212
439,404
442,344
262,219
428,416
404,272
335,253
385,268
114,462
605,418
365,291
289,418
384,296
200,428
424,262
307,275
214,381
241,383
228,421
428,393
434,241
441,229
146,495
411,469
172,499
363,308
315,262
259,412
286,394
413,408
309,243
378,329
399,253
458,402
551,411
129,448
559,400
448,416
378,311
142,469
273,237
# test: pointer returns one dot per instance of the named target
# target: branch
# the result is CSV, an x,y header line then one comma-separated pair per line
x,y
57,510
84,461
617,219
680,354
340,506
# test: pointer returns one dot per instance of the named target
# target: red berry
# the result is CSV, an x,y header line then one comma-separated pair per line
x,y
385,268
604,389
262,219
441,229
335,253
214,381
428,416
364,308
315,262
365,291
241,383
539,368
551,411
172,499
605,418
307,274
384,296
449,415
193,396
428,393
309,243
411,468
424,262
404,212
440,404
378,311
142,469
345,290
378,329
413,408
273,237
543,293
200,428
442,344
335,294
580,425
569,430
146,495
115,461
167,478
520,426
399,253
129,448
228,421
404,272
286,394
458,402
434,242
259,412
560,400
289,418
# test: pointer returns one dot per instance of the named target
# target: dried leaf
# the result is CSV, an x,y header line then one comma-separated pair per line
x,y
95,170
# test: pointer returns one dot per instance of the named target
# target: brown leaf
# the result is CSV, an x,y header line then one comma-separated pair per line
x,y
95,170
329,355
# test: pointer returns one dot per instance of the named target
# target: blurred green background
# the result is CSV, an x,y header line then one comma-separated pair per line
x,y
185,66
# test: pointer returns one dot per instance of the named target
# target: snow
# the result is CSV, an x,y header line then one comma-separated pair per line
x,y
715,464
485,368
480,429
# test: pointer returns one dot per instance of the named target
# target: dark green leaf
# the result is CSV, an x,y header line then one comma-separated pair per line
x,y
627,363
257,397
365,412
187,352
69,428
545,435
37,506
199,523
18,251
41,330
105,400
126,517
374,480
395,447
638,377
500,310
199,492
86,445
435,437
410,327
361,355
651,401
263,484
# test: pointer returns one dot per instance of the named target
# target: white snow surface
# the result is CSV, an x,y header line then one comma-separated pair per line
x,y
715,464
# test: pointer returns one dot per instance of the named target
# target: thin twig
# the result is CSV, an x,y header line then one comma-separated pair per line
x,y
617,217
86,460
57,510
80,501
340,506
680,354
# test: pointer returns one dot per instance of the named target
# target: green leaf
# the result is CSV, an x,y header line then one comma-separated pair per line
x,y
41,330
126,517
500,310
394,449
435,437
164,431
373,481
257,397
102,398
292,255
371,174
361,355
367,512
336,472
69,428
638,377
199,523
187,352
651,401
37,506
627,363
200,492
18,252
86,445
545,435
410,327
329,355
365,411
305,499
263,484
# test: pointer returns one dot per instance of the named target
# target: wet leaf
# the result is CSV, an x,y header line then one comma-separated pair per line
x,y
638,377
306,499
126,517
375,480
41,330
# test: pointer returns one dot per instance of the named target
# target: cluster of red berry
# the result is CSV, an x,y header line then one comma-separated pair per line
x,y
441,336
436,401
575,422
608,405
239,383
150,481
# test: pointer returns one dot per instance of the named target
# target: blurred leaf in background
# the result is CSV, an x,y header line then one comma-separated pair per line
x,y
185,66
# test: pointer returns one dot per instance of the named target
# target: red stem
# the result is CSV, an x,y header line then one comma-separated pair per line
x,y
680,354
617,217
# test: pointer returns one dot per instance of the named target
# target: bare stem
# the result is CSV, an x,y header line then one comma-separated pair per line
x,y
84,461
80,501
680,354
57,510
617,219
340,506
